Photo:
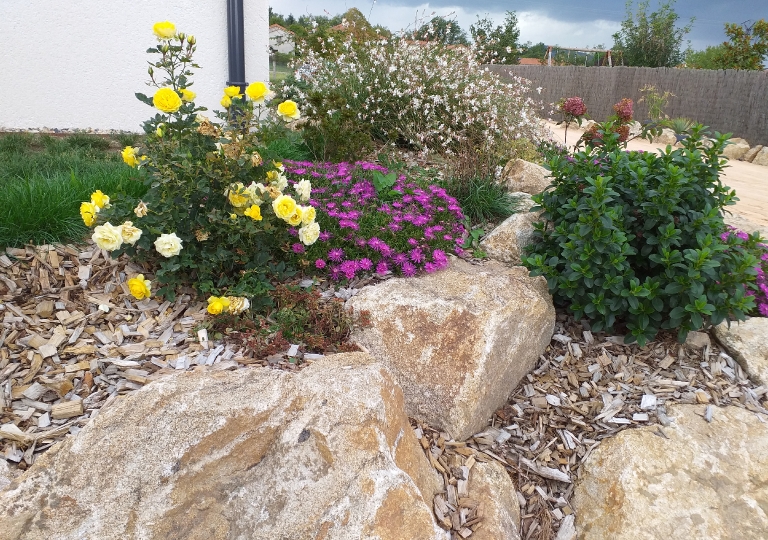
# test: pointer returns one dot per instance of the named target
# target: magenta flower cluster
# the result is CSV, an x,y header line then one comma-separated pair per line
x,y
574,106
761,294
362,233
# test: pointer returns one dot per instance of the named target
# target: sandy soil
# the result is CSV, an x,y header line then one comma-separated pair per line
x,y
750,181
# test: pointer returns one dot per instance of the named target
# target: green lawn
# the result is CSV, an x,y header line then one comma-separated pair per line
x,y
43,180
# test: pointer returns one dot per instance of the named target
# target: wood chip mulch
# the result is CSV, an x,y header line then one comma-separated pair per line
x,y
73,339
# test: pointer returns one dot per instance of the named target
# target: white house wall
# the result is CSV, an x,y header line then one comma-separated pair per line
x,y
78,63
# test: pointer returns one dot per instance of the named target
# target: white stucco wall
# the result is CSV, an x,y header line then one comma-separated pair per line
x,y
78,63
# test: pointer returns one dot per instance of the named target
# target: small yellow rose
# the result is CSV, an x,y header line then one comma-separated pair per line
x,y
253,212
168,245
217,304
129,156
257,91
140,288
226,102
309,234
88,212
141,209
295,218
107,237
232,92
237,196
187,95
284,207
278,165
167,100
164,30
130,233
288,110
99,199
308,214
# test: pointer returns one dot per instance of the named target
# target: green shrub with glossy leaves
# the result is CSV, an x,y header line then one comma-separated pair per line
x,y
633,238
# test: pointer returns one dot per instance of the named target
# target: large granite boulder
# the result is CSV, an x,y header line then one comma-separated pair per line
x,y
735,149
491,487
523,176
507,241
747,343
750,155
761,158
458,340
325,453
693,479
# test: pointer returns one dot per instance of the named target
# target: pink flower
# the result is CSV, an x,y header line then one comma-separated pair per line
x,y
574,106
624,110
319,264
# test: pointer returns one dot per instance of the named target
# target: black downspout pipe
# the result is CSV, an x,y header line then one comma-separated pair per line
x,y
236,44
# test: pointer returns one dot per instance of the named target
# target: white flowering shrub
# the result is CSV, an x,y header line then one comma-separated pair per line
x,y
423,95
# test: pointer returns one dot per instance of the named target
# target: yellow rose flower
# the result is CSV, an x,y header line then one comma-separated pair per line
x,y
187,95
107,237
160,131
88,212
140,288
164,30
309,234
237,196
284,207
257,91
129,156
168,245
99,199
274,193
308,214
130,233
226,102
167,100
295,218
278,165
140,210
288,110
217,304
253,212
232,92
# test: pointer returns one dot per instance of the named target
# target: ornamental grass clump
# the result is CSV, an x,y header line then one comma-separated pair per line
x,y
420,95
216,214
401,227
632,240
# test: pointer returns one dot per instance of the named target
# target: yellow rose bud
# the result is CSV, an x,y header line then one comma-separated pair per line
x,y
288,110
167,100
88,212
165,47
226,102
140,210
232,92
191,40
129,156
253,212
284,207
140,288
233,217
99,199
187,95
217,304
181,36
257,91
160,131
164,30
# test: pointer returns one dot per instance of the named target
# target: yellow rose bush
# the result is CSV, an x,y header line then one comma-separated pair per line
x,y
219,214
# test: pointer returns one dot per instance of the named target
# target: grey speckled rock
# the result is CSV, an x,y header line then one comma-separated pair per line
x,y
457,340
507,241
327,452
701,480
747,343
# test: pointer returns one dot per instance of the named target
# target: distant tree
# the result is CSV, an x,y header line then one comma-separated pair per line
x,y
529,50
709,58
651,40
441,29
496,45
747,47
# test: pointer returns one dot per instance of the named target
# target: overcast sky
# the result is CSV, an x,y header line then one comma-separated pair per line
x,y
569,23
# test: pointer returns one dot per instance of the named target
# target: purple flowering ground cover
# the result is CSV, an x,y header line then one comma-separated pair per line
x,y
408,230
753,243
